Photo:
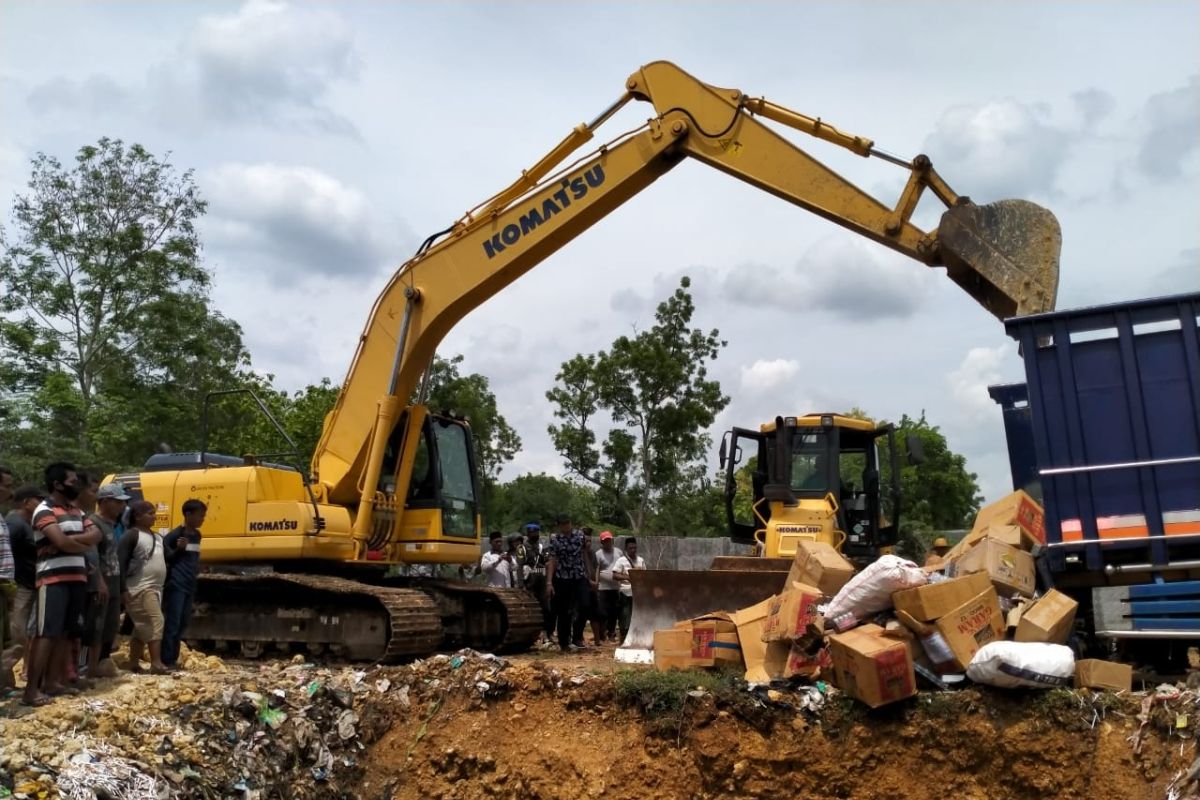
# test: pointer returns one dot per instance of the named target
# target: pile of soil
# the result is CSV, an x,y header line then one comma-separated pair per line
x,y
469,726
588,735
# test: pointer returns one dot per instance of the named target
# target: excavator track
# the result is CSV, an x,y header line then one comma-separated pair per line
x,y
484,618
318,613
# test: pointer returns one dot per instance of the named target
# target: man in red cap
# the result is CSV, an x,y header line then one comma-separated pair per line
x,y
609,589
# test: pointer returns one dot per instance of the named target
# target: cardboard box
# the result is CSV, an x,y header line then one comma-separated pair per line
x,y
793,613
1017,509
1011,570
807,658
1016,520
927,603
871,667
673,649
966,629
1092,673
765,661
715,642
818,564
1049,619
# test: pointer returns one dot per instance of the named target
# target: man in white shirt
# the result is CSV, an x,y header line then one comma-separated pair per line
x,y
630,560
607,587
497,565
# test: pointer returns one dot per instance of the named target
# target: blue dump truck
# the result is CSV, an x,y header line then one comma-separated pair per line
x,y
1105,432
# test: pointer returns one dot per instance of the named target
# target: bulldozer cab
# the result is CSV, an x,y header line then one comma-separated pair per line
x,y
821,476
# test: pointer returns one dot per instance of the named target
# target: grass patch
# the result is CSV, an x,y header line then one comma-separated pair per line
x,y
658,693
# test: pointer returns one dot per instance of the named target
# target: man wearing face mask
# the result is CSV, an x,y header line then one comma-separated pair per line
x,y
61,535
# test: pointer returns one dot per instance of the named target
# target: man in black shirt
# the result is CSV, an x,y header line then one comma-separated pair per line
x,y
566,577
20,532
182,550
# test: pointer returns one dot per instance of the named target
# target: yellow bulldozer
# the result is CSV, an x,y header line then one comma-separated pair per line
x,y
825,478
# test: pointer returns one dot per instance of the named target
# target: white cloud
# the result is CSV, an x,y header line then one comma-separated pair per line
x,y
271,60
1093,104
298,217
980,368
764,375
94,94
999,149
840,275
1184,276
1172,130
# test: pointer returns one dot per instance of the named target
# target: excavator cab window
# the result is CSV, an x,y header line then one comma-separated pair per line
x,y
457,477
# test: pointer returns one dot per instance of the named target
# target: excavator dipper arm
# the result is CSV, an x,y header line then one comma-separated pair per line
x,y
554,201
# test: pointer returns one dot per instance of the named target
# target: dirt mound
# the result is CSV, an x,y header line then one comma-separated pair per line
x,y
471,726
551,734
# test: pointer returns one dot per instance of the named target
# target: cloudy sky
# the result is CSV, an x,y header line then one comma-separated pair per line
x,y
330,139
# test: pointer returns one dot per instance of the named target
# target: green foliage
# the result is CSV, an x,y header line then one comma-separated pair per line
x,y
108,340
940,494
471,397
659,693
655,390
539,498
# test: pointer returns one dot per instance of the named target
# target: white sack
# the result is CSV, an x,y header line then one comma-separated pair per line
x,y
1010,665
870,591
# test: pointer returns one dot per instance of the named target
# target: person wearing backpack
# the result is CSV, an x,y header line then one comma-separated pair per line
x,y
143,573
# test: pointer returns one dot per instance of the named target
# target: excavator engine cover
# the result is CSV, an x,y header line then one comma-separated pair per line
x,y
1003,254
662,597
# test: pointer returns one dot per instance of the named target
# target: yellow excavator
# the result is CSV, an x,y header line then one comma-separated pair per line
x,y
393,484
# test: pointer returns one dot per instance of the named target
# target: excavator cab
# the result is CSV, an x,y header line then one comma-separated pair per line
x,y
437,519
820,477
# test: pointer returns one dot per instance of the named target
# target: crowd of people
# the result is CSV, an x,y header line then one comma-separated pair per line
x,y
578,584
74,554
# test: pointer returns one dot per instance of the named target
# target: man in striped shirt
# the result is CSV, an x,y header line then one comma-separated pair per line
x,y
61,535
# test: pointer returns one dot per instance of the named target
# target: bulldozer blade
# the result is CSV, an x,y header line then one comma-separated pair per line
x,y
662,597
1004,254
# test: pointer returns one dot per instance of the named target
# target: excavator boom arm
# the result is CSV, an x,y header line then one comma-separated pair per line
x,y
515,230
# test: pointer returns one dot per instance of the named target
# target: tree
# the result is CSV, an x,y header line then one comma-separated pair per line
x,y
940,493
655,389
538,498
107,337
470,396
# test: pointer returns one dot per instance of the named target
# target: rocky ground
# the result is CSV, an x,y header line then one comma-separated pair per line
x,y
536,726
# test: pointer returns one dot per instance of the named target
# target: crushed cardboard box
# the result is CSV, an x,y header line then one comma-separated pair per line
x,y
1017,510
793,613
765,661
819,564
808,658
927,603
970,626
673,649
1093,673
872,667
715,641
1011,570
1049,619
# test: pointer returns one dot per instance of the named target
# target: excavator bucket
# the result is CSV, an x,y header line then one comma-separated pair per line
x,y
1004,254
662,597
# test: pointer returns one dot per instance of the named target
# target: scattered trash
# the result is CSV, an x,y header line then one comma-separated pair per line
x,y
346,724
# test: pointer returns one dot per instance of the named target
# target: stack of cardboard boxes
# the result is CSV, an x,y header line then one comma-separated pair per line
x,y
983,591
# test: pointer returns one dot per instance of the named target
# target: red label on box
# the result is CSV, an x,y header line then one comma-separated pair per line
x,y
1030,517
895,680
806,613
702,640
